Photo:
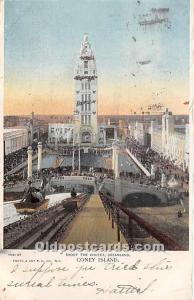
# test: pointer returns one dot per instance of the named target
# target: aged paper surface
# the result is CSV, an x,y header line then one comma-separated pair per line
x,y
97,128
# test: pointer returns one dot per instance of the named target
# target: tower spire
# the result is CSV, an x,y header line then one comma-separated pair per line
x,y
86,50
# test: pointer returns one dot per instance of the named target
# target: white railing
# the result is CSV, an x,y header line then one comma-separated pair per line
x,y
146,172
81,179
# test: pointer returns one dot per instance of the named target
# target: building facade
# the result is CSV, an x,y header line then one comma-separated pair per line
x,y
60,133
14,139
168,139
140,131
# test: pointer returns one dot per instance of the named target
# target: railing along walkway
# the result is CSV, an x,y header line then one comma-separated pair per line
x,y
117,210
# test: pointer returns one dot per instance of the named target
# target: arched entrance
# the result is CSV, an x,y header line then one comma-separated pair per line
x,y
86,137
35,136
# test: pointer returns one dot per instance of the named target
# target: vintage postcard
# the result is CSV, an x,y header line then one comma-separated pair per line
x,y
96,136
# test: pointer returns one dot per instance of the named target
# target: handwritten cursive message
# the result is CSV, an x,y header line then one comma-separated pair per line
x,y
82,275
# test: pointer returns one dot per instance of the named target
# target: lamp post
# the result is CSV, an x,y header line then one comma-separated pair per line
x,y
30,162
115,159
76,135
39,156
73,156
79,154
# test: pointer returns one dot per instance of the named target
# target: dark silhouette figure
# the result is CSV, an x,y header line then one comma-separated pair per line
x,y
73,193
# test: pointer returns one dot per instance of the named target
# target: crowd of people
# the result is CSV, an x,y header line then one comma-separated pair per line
x,y
13,159
12,179
162,166
16,158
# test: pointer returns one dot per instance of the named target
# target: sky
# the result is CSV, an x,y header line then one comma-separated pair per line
x,y
42,44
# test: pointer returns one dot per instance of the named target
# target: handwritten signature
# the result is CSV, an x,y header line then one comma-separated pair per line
x,y
125,289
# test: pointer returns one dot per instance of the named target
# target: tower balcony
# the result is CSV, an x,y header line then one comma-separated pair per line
x,y
85,57
89,77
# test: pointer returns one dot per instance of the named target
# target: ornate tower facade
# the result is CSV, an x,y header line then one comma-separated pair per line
x,y
85,108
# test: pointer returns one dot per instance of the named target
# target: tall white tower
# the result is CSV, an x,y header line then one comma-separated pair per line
x,y
85,108
167,130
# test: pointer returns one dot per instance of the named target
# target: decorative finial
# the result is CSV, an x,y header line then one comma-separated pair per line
x,y
85,40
